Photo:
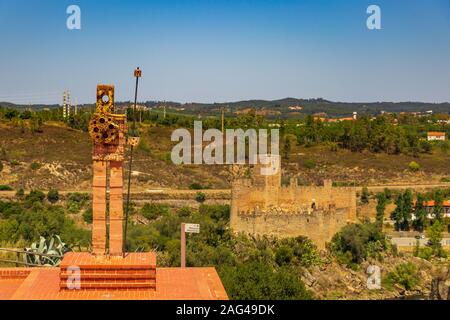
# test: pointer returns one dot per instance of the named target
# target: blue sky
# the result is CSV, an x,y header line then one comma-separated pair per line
x,y
215,51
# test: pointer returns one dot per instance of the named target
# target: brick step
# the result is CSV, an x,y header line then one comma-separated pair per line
x,y
111,273
111,284
109,276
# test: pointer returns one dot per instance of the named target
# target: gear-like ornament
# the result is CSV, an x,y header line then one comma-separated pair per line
x,y
103,129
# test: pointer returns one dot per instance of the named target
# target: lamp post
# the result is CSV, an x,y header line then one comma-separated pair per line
x,y
133,141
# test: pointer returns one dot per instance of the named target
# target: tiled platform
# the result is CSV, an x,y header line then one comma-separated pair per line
x,y
134,271
173,284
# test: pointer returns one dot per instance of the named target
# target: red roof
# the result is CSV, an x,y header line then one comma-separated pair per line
x,y
436,134
173,284
445,203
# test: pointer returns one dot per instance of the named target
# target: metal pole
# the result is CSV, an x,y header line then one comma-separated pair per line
x,y
135,102
183,245
137,74
128,202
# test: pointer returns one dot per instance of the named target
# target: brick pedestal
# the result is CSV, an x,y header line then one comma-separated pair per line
x,y
83,271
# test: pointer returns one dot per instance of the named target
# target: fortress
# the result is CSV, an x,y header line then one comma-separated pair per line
x,y
260,205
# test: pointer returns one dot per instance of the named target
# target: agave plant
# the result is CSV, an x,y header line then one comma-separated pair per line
x,y
54,248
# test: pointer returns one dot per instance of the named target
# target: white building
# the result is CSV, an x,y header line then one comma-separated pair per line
x,y
436,136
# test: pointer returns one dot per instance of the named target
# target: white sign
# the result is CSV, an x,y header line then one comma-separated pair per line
x,y
192,228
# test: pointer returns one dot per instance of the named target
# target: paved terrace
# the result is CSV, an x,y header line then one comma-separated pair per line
x,y
173,284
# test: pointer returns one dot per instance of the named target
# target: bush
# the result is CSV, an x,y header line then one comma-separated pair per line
x,y
284,255
309,164
196,186
87,215
414,166
20,193
35,166
76,201
216,211
152,211
53,196
404,274
365,195
143,146
425,253
33,197
78,197
355,242
5,188
258,281
184,212
200,197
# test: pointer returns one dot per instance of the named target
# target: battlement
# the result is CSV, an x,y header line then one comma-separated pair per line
x,y
261,205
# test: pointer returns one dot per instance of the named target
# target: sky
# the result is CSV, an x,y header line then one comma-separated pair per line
x,y
218,51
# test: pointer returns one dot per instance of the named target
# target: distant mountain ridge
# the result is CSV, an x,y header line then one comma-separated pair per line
x,y
284,106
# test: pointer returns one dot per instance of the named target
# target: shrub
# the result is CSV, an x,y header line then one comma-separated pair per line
x,y
425,253
20,193
33,197
14,163
309,164
184,212
405,275
215,211
152,211
35,166
196,186
414,166
78,197
365,195
53,196
355,242
87,215
5,188
143,146
284,255
200,197
258,281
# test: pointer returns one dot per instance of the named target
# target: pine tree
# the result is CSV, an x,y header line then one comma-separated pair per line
x,y
420,214
381,206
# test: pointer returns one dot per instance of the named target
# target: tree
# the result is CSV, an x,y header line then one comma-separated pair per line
x,y
354,242
434,233
286,148
200,197
11,113
438,203
365,195
258,281
414,166
381,206
53,196
405,275
20,193
420,213
403,212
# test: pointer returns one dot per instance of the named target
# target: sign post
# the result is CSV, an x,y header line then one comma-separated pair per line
x,y
189,228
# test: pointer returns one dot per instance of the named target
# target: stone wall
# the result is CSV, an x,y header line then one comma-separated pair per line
x,y
260,205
